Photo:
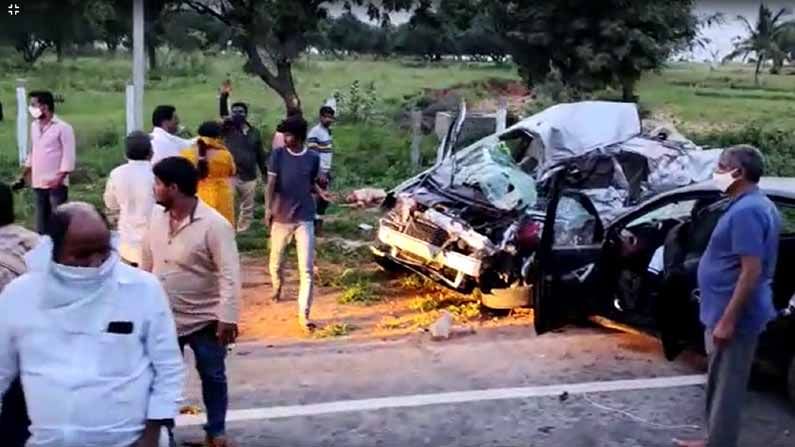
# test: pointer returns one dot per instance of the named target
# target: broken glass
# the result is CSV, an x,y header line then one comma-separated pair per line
x,y
491,168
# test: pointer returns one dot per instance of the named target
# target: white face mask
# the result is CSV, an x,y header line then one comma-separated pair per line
x,y
85,274
35,112
724,180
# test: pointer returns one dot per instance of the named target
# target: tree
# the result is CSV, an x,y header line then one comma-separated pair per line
x,y
763,39
426,34
591,45
45,24
274,33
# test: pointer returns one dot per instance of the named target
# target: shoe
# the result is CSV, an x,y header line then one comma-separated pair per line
x,y
276,296
307,325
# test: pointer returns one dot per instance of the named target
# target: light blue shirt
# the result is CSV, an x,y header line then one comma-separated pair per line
x,y
86,385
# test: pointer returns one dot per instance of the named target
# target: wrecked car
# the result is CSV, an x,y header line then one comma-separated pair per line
x,y
476,218
641,269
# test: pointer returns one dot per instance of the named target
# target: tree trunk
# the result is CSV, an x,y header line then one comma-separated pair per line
x,y
757,70
628,89
281,82
152,54
59,50
778,64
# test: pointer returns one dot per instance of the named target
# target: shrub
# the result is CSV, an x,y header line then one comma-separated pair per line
x,y
777,145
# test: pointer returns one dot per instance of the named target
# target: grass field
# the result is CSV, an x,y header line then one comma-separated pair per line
x,y
368,154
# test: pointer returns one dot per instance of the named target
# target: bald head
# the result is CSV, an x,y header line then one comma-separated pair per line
x,y
80,235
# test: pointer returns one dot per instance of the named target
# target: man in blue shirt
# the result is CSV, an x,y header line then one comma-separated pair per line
x,y
735,276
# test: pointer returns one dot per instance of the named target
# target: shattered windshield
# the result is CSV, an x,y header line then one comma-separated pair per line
x,y
490,167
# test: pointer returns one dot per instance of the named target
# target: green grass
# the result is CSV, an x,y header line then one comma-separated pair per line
x,y
334,330
373,154
370,154
699,98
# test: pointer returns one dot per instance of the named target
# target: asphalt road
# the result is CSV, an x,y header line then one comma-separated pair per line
x,y
579,387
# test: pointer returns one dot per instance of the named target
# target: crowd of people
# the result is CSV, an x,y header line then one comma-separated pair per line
x,y
86,313
105,309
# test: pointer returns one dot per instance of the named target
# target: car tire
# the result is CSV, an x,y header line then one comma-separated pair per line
x,y
791,379
506,299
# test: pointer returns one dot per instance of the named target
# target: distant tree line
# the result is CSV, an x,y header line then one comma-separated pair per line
x,y
585,45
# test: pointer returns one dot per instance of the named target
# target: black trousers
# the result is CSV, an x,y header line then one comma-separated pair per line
x,y
14,420
46,201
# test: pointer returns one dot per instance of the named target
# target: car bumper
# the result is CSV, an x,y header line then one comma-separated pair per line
x,y
415,253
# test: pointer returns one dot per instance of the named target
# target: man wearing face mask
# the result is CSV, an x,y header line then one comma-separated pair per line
x,y
51,158
101,367
245,143
735,276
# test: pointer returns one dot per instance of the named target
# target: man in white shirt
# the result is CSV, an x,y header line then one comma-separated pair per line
x,y
129,193
101,367
165,142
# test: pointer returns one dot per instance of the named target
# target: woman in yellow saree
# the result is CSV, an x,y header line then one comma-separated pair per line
x,y
216,169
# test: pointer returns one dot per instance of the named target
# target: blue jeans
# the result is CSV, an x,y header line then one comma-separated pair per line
x,y
210,363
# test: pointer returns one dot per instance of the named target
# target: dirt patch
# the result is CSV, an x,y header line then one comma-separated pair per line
x,y
483,96
401,304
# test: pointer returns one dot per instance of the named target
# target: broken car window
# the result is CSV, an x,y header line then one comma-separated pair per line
x,y
574,225
490,167
675,210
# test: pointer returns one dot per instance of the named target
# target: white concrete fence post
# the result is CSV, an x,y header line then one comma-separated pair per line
x,y
22,121
416,137
502,114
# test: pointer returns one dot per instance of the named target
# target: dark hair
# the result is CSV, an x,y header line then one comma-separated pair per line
x,y
295,126
326,111
6,205
60,220
162,113
209,129
240,104
178,171
138,145
44,97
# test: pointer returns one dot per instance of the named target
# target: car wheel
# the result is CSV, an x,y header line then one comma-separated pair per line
x,y
791,379
507,299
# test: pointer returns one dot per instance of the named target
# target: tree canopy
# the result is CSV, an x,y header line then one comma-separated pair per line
x,y
591,45
769,38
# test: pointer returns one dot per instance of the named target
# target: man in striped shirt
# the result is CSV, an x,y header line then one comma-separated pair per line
x,y
319,140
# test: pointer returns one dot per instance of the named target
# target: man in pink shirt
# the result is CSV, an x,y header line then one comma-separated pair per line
x,y
51,158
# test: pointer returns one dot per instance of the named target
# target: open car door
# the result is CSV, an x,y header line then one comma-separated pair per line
x,y
566,268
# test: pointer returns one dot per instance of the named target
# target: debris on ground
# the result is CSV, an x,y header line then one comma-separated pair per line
x,y
190,409
441,328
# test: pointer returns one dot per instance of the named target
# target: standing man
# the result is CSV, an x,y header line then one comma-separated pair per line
x,y
129,194
51,158
245,143
15,241
735,277
92,339
320,141
165,142
293,172
192,249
